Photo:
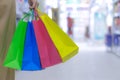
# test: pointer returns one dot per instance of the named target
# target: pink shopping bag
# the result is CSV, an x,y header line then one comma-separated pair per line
x,y
48,52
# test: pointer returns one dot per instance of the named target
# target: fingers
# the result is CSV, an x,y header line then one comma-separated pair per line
x,y
30,2
33,4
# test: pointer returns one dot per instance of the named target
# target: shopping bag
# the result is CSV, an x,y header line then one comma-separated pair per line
x,y
15,52
31,59
66,47
48,53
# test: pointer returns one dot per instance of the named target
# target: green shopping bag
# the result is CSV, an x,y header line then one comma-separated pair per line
x,y
16,48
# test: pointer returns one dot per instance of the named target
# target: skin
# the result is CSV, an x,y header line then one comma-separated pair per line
x,y
33,4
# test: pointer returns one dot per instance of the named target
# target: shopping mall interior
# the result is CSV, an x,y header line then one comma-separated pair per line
x,y
94,27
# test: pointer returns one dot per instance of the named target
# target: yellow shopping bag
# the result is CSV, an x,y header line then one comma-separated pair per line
x,y
65,46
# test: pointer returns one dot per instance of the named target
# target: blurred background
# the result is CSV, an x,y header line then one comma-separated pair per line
x,y
94,25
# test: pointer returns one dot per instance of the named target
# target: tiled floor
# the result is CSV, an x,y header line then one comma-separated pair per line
x,y
91,63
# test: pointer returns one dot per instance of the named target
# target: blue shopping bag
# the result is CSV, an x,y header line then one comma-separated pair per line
x,y
31,58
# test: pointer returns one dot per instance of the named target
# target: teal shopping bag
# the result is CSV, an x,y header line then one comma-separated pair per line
x,y
15,52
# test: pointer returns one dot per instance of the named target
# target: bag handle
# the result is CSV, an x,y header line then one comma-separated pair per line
x,y
33,13
31,17
37,13
26,15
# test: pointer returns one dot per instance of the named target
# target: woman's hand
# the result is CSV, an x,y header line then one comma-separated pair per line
x,y
33,4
